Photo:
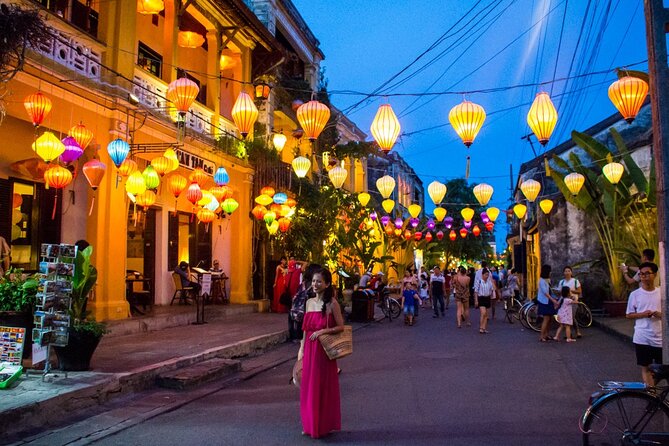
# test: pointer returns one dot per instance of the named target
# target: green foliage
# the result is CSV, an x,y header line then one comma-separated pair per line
x,y
17,291
84,279
354,150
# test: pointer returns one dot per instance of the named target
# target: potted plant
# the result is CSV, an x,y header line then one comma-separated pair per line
x,y
85,333
17,299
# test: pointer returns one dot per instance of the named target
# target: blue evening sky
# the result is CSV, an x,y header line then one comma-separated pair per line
x,y
496,44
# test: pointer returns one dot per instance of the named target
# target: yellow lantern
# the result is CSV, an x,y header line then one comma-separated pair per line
x,y
313,116
190,39
146,199
530,189
613,172
467,214
150,6
414,210
483,193
135,184
81,135
206,198
205,215
363,198
437,191
48,147
385,127
546,205
467,119
244,113
301,166
628,94
385,185
273,227
574,182
228,60
264,200
182,93
337,176
279,141
542,117
520,210
492,213
269,217
161,165
127,167
171,155
439,213
388,205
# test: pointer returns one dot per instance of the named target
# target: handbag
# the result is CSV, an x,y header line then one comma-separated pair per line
x,y
337,345
297,373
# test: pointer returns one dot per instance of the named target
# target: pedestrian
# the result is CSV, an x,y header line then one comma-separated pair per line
x,y
424,280
483,292
407,280
494,274
437,291
565,314
299,302
645,307
409,302
447,288
5,256
461,292
279,286
575,292
512,283
294,275
320,407
647,255
547,303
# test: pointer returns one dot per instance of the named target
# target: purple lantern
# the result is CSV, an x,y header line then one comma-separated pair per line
x,y
484,217
385,220
448,222
431,224
398,222
467,224
414,222
373,215
72,150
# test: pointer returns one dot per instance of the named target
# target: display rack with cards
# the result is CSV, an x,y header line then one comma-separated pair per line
x,y
11,352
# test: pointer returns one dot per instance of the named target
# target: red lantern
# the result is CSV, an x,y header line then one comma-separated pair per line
x,y
428,237
199,177
490,226
418,235
81,135
440,235
463,233
284,224
38,107
94,170
476,230
259,212
407,234
267,190
194,193
452,235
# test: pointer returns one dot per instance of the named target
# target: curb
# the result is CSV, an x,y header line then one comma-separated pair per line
x,y
607,329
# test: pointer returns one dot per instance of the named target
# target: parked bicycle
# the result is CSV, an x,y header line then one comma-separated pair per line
x,y
529,315
389,305
512,306
624,413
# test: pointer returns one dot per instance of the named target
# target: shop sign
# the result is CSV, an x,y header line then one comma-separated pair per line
x,y
190,161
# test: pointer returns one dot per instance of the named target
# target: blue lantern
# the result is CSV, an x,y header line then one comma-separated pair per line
x,y
118,151
280,198
221,177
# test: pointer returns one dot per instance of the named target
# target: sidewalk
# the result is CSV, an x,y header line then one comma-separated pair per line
x,y
616,326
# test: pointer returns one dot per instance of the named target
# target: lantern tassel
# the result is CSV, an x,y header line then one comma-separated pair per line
x,y
90,211
118,177
176,203
55,203
206,227
467,168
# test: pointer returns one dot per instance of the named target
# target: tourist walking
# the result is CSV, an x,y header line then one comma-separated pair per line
x,y
575,292
279,286
437,291
461,292
565,314
483,292
547,304
512,283
320,407
409,303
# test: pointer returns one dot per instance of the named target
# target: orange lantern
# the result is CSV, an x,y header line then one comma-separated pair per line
x,y
198,176
313,116
628,94
542,117
267,190
38,107
146,199
244,113
463,233
150,6
219,192
389,230
452,235
467,119
385,127
259,211
190,39
57,177
206,216
182,93
407,234
161,165
176,184
81,135
476,230
94,170
290,202
284,224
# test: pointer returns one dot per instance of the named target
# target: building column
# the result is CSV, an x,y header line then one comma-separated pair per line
x,y
214,84
241,289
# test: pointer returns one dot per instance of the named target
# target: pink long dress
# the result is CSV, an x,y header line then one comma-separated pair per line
x,y
319,391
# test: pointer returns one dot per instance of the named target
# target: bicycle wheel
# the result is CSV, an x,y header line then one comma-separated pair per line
x,y
626,418
395,309
522,314
583,315
532,317
385,308
515,307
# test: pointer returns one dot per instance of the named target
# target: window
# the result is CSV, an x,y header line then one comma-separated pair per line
x,y
149,60
82,15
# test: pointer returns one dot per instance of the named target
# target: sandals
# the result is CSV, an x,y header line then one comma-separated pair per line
x,y
571,340
555,338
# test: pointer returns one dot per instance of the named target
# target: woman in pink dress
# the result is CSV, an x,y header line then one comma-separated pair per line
x,y
319,390
279,287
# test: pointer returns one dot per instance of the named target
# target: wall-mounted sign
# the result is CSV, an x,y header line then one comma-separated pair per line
x,y
190,161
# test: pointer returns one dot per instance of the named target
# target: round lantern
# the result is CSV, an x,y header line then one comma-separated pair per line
x,y
542,117
214,205
373,216
171,155
467,119
437,191
207,198
440,235
272,227
94,170
280,198
284,224
258,211
264,200
414,210
57,177
267,190
490,226
476,231
312,117
418,235
279,141
81,135
385,127
118,151
205,215
198,176
189,39
291,202
430,224
388,205
574,182
399,222
530,189
218,192
428,237
546,205
452,235
483,193
492,213
613,172
627,95
182,93
338,176
389,230
385,185
385,220
448,222
407,234
150,6
176,184
194,193
463,233
269,217
301,166
467,214
363,198
520,210
72,150
162,165
146,199
151,177
221,177
439,213
244,113
229,205
38,107
48,147
135,184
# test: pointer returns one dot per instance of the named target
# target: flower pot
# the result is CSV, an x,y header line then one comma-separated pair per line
x,y
22,319
76,356
615,308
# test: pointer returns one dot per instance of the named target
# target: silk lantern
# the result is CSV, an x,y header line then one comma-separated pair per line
x,y
267,190
94,171
463,233
194,194
207,198
385,220
439,213
520,210
273,227
258,211
440,235
467,119
301,166
244,113
484,217
48,147
476,230
221,177
385,185
613,172
171,155
280,198
151,177
189,39
452,235
118,151
72,150
399,222
182,93
312,117
574,182
284,224
81,135
146,199
162,165
492,213
414,210
546,205
38,107
430,224
206,216
229,205
363,198
150,6
490,226
467,224
627,95
437,191
407,234
338,176
418,236
467,213
448,222
373,215
385,127
542,117
530,189
483,193
269,217
57,177
264,200
176,185
428,237
388,205
135,184
279,141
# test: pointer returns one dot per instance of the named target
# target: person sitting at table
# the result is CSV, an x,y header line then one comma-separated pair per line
x,y
183,270
215,267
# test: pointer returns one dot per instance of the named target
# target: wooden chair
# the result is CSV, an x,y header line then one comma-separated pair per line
x,y
138,292
180,292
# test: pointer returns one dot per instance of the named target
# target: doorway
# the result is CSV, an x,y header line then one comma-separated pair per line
x,y
141,248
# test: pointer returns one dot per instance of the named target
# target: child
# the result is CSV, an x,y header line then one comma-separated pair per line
x,y
409,300
564,315
423,291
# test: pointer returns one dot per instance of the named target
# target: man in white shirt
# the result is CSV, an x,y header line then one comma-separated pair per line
x,y
477,276
645,307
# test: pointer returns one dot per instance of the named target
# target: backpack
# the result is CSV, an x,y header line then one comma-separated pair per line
x,y
299,304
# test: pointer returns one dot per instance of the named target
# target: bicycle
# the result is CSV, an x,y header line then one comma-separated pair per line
x,y
582,315
389,305
512,306
628,413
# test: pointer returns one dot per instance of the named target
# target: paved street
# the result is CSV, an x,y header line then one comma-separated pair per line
x,y
427,384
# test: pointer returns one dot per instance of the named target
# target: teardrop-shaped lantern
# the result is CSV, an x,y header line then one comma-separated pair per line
x,y
284,224
150,6
135,184
162,165
388,205
476,230
258,211
244,113
373,215
81,135
48,147
414,210
613,172
176,184
452,235
264,200
484,217
218,192
418,236
530,189
436,191
542,117
72,150
312,117
483,193
198,176
520,210
338,176
385,127
38,107
363,198
273,227
146,199
229,205
430,224
467,213
57,177
127,167
118,151
467,119
171,155
467,224
190,39
414,222
94,170
440,235
151,177
439,213
492,213
627,95
205,215
269,217
385,220
407,234
221,177
279,141
301,166
490,226
546,205
385,185
194,193
463,233
182,93
574,182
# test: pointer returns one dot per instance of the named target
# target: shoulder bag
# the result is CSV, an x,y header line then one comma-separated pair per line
x,y
337,345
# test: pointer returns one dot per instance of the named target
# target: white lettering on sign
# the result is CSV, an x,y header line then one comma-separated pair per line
x,y
190,161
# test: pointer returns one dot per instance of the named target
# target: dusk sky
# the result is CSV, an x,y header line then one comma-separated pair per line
x,y
480,45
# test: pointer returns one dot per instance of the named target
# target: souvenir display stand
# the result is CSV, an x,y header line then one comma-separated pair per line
x,y
11,351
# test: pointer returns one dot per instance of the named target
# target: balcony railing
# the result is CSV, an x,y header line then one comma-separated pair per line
x,y
76,53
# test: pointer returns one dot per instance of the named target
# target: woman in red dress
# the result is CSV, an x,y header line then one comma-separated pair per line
x,y
320,407
279,287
